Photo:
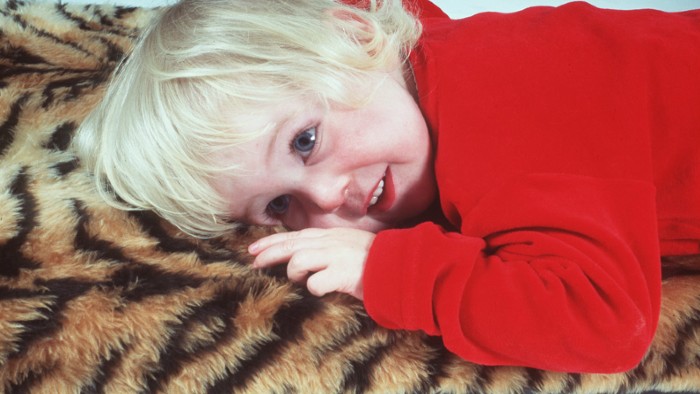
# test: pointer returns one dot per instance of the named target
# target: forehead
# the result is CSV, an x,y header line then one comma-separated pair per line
x,y
255,119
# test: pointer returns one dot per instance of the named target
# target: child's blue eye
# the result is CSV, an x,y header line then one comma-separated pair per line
x,y
304,142
279,205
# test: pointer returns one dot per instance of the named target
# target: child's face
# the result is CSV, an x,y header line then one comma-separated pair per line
x,y
368,168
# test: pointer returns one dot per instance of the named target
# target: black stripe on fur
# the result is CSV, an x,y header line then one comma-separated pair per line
x,y
85,242
687,332
65,167
105,24
45,34
122,12
70,89
106,370
153,225
679,266
535,378
175,358
436,365
13,4
61,291
12,260
61,136
484,378
287,329
7,72
573,382
357,377
32,379
7,128
139,281
113,55
20,55
8,293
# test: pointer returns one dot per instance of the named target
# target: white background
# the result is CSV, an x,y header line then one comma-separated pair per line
x,y
461,8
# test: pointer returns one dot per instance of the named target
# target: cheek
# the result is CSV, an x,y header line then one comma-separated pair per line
x,y
296,219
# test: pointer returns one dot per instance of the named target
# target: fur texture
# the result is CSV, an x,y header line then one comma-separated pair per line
x,y
97,300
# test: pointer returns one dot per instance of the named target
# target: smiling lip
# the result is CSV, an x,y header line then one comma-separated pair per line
x,y
388,195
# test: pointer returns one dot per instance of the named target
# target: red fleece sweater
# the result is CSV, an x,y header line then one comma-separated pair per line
x,y
567,148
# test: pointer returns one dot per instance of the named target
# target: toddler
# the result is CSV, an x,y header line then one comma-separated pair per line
x,y
505,181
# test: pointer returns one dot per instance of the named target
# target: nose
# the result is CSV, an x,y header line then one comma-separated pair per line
x,y
327,193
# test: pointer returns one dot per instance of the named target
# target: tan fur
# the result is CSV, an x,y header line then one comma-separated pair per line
x,y
97,300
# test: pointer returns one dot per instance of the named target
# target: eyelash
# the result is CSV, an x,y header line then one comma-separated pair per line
x,y
294,149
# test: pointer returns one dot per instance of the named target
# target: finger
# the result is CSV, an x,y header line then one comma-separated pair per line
x,y
334,280
278,253
286,238
306,262
327,281
322,283
264,243
272,256
284,251
283,248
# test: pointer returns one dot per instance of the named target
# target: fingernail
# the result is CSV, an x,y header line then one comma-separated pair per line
x,y
252,248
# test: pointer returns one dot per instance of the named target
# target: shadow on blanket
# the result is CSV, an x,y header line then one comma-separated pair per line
x,y
97,300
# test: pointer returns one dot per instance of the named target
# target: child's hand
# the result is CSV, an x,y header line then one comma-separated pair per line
x,y
332,259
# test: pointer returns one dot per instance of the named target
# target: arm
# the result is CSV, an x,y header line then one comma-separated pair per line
x,y
552,272
567,279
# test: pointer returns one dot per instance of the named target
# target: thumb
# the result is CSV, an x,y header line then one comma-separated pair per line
x,y
322,283
325,281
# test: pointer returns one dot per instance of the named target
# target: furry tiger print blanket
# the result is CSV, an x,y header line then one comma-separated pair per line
x,y
97,300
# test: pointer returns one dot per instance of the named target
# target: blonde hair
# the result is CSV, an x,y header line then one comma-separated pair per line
x,y
149,140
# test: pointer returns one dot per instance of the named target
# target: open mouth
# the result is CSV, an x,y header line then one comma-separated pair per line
x,y
384,194
377,192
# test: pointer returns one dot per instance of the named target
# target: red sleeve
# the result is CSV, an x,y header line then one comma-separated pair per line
x,y
553,129
573,285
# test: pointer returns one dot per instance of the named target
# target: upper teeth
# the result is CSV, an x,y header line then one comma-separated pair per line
x,y
377,193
